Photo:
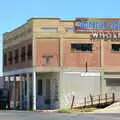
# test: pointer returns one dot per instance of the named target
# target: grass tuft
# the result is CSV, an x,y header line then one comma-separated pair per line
x,y
63,111
75,110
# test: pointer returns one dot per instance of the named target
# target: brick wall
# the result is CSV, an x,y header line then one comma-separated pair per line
x,y
78,59
111,59
47,48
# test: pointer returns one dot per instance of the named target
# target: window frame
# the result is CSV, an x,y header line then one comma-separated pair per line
x,y
16,57
70,30
29,52
23,54
10,57
115,47
80,47
5,59
40,87
49,29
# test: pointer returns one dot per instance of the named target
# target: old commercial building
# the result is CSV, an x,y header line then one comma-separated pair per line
x,y
48,60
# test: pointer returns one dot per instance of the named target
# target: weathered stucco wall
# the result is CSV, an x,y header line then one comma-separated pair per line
x,y
78,84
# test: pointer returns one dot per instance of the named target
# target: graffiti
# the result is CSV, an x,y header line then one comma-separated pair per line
x,y
67,99
114,89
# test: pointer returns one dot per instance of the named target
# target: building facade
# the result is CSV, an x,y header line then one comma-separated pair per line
x,y
48,60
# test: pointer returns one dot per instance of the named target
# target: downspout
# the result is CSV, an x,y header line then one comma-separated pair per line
x,y
101,64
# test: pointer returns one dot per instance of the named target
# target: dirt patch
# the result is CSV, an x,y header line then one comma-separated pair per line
x,y
114,108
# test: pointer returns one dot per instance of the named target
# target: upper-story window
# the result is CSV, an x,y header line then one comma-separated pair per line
x,y
16,56
49,29
81,47
29,51
10,57
29,30
5,59
23,54
116,47
69,29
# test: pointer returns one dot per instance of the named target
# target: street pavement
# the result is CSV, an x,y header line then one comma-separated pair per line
x,y
25,115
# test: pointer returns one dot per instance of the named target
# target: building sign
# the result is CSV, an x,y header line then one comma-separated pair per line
x,y
84,74
96,24
106,35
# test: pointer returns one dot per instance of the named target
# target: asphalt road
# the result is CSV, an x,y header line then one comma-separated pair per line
x,y
21,115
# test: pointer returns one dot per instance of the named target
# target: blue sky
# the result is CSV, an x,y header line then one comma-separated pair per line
x,y
15,12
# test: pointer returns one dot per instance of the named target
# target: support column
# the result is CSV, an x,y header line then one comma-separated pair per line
x,y
9,92
8,82
61,50
21,91
4,82
60,90
34,90
14,92
101,65
28,93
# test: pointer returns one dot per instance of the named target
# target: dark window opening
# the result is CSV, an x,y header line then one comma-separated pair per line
x,y
5,59
47,100
29,53
81,47
116,47
16,56
49,29
40,87
23,54
10,57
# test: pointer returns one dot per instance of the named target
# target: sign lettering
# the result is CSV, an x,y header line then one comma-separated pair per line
x,y
102,35
96,24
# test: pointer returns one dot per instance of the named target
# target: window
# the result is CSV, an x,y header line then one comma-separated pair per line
x,y
29,52
116,47
10,57
40,87
5,59
47,101
23,54
49,29
69,30
29,30
16,56
81,47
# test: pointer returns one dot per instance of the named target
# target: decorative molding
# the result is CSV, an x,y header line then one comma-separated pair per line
x,y
18,71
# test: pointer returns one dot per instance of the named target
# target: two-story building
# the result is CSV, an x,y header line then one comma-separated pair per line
x,y
48,60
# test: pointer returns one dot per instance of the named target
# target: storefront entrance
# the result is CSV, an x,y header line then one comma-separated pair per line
x,y
47,91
